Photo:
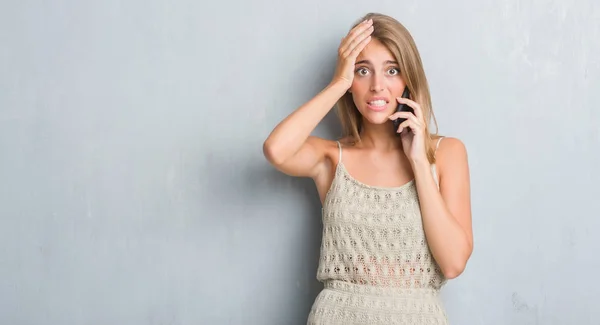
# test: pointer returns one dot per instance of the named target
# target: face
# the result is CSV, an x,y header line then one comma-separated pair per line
x,y
377,83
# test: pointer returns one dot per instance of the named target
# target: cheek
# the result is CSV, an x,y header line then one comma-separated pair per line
x,y
395,81
359,84
396,87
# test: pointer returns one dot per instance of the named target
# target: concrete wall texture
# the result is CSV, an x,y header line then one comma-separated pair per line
x,y
133,189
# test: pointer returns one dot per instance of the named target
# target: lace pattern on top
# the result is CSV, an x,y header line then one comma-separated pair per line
x,y
374,235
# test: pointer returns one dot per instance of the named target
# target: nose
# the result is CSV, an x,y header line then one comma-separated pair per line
x,y
376,83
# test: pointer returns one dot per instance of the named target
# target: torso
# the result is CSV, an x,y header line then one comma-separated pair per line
x,y
374,262
380,169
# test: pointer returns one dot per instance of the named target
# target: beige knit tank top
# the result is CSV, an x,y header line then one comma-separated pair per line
x,y
374,236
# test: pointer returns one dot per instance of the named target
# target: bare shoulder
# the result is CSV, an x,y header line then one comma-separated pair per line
x,y
326,146
451,160
450,148
452,163
318,141
329,149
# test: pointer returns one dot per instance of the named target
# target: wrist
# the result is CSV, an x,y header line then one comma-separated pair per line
x,y
420,164
340,84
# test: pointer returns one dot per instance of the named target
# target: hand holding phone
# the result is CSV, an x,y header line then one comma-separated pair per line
x,y
402,108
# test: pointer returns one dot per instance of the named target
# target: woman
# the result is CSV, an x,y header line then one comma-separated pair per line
x,y
396,202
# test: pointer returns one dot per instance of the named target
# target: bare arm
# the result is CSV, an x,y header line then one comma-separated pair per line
x,y
447,212
289,147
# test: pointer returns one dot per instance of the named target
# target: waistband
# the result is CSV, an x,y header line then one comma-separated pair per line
x,y
380,291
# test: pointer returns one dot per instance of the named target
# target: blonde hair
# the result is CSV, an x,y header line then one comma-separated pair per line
x,y
398,40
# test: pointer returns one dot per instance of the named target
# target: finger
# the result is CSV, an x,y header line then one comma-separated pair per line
x,y
406,125
358,29
397,115
357,42
410,124
352,33
403,125
414,119
361,46
411,121
351,39
414,105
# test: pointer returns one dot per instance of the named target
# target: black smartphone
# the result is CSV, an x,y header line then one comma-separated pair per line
x,y
402,108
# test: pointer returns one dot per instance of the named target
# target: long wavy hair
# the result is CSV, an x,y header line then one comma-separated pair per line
x,y
399,41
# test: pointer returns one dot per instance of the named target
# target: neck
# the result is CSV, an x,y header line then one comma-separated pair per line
x,y
379,136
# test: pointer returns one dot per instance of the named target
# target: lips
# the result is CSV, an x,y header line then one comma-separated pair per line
x,y
377,104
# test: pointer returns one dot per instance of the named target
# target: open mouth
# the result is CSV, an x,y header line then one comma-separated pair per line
x,y
377,104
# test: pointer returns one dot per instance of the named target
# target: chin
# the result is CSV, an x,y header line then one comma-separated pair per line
x,y
377,118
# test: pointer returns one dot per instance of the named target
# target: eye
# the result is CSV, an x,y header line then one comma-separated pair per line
x,y
362,71
394,71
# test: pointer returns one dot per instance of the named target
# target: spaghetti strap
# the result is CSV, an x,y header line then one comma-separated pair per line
x,y
437,145
434,166
340,147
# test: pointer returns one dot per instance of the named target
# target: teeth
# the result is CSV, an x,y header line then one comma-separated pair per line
x,y
380,102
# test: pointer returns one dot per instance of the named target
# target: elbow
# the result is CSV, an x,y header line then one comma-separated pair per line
x,y
457,267
454,271
271,153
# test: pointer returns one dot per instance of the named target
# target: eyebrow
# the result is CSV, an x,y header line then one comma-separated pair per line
x,y
369,62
